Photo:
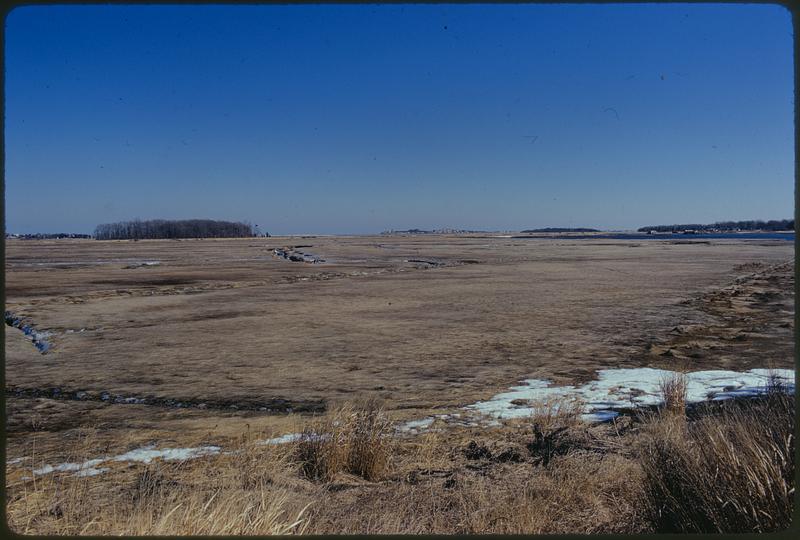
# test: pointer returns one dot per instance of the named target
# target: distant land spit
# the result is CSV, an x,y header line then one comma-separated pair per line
x,y
560,230
727,226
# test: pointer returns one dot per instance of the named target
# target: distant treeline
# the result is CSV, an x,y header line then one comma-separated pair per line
x,y
560,230
751,225
184,228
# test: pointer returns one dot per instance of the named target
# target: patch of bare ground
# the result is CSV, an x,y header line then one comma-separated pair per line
x,y
750,324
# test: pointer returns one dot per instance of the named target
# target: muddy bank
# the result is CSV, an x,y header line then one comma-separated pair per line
x,y
748,323
37,337
143,264
269,406
426,263
295,255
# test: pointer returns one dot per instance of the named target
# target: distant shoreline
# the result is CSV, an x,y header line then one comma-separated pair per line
x,y
596,235
743,235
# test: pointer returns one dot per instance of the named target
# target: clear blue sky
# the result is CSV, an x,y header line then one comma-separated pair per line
x,y
355,119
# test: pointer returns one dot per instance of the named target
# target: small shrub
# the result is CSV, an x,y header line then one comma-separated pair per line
x,y
553,425
354,439
555,413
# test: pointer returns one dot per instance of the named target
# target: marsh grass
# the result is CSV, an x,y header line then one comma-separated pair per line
x,y
354,439
258,510
224,494
673,393
555,426
556,413
729,468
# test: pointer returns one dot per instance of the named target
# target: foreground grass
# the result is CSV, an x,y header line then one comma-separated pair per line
x,y
728,469
224,495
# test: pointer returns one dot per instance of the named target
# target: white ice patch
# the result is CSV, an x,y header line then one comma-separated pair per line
x,y
149,453
628,388
67,467
133,400
145,455
416,425
91,471
599,416
139,264
283,439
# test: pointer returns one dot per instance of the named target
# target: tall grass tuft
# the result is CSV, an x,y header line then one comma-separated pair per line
x,y
673,393
729,471
556,413
354,439
553,425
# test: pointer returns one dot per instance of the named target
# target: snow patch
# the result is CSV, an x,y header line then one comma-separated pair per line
x,y
145,455
140,264
66,467
91,471
627,388
149,453
416,425
283,439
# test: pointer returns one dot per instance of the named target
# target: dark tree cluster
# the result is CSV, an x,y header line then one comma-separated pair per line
x,y
162,228
751,225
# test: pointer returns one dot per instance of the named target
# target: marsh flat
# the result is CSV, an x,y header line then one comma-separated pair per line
x,y
227,326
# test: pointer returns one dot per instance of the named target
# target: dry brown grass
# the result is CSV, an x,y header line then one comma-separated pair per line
x,y
573,494
496,481
673,393
354,439
554,425
221,495
257,511
576,493
556,413
731,470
